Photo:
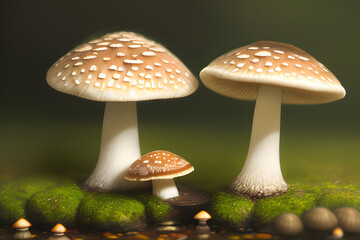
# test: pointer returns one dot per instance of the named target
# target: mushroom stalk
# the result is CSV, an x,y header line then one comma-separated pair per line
x,y
165,188
261,174
119,148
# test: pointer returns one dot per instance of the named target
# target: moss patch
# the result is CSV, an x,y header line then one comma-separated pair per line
x,y
54,205
15,195
297,200
155,207
230,208
108,211
339,195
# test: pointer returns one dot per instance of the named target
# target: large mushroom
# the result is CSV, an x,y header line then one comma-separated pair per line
x,y
120,69
161,167
270,73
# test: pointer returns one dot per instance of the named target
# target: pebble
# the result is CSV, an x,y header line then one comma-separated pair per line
x,y
169,229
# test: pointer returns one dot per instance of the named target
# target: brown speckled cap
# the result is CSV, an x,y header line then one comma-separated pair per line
x,y
240,72
158,164
121,66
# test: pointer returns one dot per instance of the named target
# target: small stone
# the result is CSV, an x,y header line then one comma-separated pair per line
x,y
22,235
169,229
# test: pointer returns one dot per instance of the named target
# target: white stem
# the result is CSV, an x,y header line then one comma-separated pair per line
x,y
165,188
119,148
261,174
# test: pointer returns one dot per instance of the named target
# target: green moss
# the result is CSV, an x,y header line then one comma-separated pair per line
x,y
54,205
339,195
110,211
231,208
15,195
155,208
297,200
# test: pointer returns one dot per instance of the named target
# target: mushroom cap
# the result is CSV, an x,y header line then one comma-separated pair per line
x,y
349,219
319,219
22,223
158,164
58,229
121,66
202,215
288,224
240,72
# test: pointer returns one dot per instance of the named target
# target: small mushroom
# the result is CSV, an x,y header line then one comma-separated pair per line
x,y
120,69
337,233
319,219
271,73
58,229
288,225
21,225
161,167
202,228
349,219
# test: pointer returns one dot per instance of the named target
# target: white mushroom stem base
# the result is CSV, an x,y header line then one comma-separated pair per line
x,y
165,188
119,149
261,175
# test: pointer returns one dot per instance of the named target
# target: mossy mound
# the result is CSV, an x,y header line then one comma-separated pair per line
x,y
15,195
107,211
339,195
231,208
156,209
55,205
297,200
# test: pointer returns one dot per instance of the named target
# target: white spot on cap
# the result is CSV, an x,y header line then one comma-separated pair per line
x,y
253,48
148,53
169,70
93,68
148,76
89,57
75,58
134,46
177,71
100,49
102,76
235,70
142,74
77,81
268,64
120,54
106,59
276,57
89,76
263,54
120,69
156,49
134,68
148,67
73,73
251,68
116,76
278,69
243,56
186,74
123,40
157,64
131,61
285,64
59,73
304,58
278,51
255,60
298,65
63,78
240,65
291,57
232,62
67,66
116,45
158,75
103,43
78,64
271,70
259,70
112,67
97,84
130,74
83,49
145,161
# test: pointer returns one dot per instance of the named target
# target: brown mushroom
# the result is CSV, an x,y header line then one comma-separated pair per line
x,y
22,224
120,68
270,73
161,167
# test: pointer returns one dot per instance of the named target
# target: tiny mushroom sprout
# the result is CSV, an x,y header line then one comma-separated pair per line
x,y
161,167
59,229
22,224
120,69
270,73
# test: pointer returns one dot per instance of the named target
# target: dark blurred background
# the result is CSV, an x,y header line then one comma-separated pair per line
x,y
44,131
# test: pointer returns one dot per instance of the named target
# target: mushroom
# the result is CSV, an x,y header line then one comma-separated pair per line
x,y
288,225
202,217
59,229
337,233
349,219
22,224
161,167
319,219
120,69
270,73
